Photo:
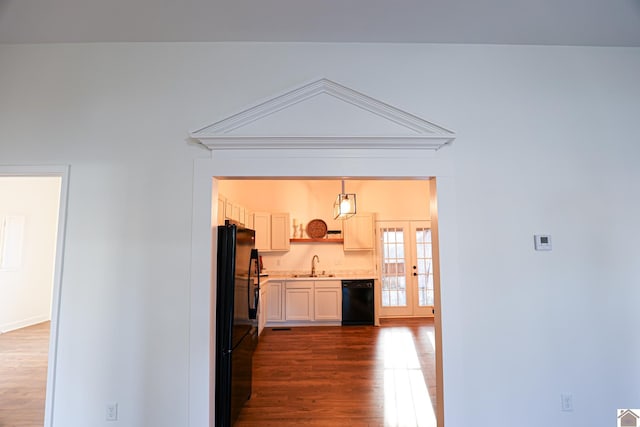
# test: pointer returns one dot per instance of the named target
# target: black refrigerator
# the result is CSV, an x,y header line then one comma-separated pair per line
x,y
238,291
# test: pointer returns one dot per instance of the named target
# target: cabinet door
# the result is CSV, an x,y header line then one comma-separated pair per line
x,y
221,205
327,303
262,226
236,213
280,231
274,301
262,308
299,300
228,210
242,218
359,232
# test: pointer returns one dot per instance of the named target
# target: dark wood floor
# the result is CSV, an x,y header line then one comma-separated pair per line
x,y
23,376
315,376
345,376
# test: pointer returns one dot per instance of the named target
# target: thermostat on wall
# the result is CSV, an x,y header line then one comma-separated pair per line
x,y
542,242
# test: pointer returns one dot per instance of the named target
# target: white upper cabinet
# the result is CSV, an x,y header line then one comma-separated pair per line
x,y
272,231
279,231
359,232
262,226
228,210
221,206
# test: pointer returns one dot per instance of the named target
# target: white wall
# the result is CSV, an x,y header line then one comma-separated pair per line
x,y
547,142
25,291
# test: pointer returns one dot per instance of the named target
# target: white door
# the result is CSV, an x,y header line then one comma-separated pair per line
x,y
405,266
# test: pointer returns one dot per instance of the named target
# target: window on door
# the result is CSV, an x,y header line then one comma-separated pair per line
x,y
406,268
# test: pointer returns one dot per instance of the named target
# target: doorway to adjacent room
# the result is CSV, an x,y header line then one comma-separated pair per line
x,y
32,229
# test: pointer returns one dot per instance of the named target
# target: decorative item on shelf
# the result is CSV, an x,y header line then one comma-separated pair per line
x,y
295,228
301,231
334,234
345,205
317,229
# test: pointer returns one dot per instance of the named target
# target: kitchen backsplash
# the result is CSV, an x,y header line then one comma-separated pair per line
x,y
333,259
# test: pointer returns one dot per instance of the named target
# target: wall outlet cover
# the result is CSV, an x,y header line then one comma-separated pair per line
x,y
567,402
111,411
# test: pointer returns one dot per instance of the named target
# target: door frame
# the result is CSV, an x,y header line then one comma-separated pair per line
x,y
412,287
310,164
61,171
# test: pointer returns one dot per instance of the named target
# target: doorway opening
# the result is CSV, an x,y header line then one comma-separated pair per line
x,y
307,199
320,130
32,228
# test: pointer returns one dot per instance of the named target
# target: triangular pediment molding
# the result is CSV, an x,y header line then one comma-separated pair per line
x,y
323,114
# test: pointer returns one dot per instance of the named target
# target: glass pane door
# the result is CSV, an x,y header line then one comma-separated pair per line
x,y
406,268
422,267
393,271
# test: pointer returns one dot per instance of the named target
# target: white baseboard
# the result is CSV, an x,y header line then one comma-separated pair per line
x,y
12,326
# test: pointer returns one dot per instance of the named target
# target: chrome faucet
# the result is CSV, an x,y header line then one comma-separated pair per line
x,y
313,265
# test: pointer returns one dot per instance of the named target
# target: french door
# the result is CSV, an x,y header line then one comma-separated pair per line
x,y
406,268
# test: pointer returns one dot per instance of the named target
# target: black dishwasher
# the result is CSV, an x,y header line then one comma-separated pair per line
x,y
357,302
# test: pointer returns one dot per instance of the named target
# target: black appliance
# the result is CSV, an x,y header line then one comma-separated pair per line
x,y
357,302
238,290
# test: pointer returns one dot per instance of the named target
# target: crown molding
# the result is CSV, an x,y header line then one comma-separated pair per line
x,y
422,134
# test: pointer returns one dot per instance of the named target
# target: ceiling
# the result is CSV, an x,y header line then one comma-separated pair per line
x,y
540,22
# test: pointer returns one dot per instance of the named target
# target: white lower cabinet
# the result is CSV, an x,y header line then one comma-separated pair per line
x,y
327,297
302,302
275,301
298,300
262,307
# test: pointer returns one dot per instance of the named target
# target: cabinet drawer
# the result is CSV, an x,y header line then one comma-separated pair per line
x,y
299,284
328,284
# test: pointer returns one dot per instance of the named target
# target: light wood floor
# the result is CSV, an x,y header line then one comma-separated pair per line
x,y
23,376
345,376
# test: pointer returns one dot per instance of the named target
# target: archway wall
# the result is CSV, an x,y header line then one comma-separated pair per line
x,y
547,142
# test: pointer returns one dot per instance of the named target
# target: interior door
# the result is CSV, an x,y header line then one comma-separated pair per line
x,y
406,268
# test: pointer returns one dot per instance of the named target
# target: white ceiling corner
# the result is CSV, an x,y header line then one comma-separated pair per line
x,y
323,114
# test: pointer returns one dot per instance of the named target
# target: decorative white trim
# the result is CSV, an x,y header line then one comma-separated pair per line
x,y
425,135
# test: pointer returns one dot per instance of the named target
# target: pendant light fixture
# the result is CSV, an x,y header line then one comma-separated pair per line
x,y
345,205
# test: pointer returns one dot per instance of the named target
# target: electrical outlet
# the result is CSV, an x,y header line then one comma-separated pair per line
x,y
111,412
567,402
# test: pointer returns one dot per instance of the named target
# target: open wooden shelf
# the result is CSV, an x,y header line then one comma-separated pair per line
x,y
316,240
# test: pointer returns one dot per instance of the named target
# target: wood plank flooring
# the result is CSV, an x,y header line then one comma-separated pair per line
x,y
23,376
344,376
315,376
